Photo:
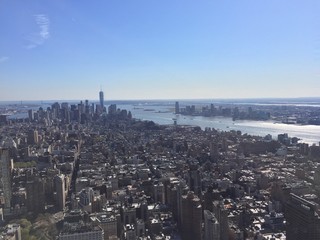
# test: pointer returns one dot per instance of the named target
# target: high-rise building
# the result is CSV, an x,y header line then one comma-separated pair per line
x,y
221,213
317,176
158,193
36,195
302,219
33,137
211,226
30,115
182,189
177,108
194,179
36,136
191,217
60,189
129,215
55,110
209,196
5,176
212,109
112,109
101,98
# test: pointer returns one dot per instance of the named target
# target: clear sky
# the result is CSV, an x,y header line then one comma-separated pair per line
x,y
159,49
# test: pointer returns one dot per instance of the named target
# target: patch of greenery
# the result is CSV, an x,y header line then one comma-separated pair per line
x,y
26,226
41,228
25,164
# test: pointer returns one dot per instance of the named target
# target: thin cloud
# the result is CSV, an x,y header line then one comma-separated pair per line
x,y
3,59
43,22
38,38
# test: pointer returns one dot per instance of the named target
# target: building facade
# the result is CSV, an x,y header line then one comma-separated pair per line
x,y
302,219
5,176
191,217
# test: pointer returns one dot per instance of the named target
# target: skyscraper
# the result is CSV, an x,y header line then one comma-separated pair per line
x,y
191,217
60,189
101,98
30,115
36,195
194,179
177,108
211,226
5,176
303,221
221,214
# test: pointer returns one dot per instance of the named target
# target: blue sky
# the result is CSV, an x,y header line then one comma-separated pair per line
x,y
151,49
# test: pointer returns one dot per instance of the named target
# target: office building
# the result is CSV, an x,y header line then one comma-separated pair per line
x,y
221,213
159,195
191,217
177,108
112,109
5,176
36,195
317,176
211,226
194,179
302,219
60,191
129,215
30,115
101,99
33,137
208,197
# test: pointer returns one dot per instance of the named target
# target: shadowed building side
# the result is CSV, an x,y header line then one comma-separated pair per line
x,y
302,219
191,217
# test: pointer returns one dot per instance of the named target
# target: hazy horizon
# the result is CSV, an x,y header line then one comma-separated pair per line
x,y
307,99
159,49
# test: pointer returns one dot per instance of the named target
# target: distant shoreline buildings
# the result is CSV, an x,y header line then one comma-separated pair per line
x,y
97,173
282,114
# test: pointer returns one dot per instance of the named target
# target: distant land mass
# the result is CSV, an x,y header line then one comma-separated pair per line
x,y
310,100
298,117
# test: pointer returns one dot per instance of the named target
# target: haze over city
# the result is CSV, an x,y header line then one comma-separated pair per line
x,y
159,49
160,120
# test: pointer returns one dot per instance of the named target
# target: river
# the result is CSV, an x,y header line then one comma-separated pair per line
x,y
164,115
162,112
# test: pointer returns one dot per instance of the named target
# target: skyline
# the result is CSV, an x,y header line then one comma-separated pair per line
x,y
289,100
152,50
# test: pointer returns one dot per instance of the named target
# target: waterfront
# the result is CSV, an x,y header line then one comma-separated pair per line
x,y
162,112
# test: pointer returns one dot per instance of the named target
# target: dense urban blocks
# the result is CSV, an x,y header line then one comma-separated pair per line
x,y
83,171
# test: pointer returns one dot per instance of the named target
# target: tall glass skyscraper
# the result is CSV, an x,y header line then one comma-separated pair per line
x,y
101,99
